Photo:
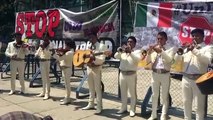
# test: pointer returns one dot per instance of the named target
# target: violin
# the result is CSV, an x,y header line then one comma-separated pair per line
x,y
20,44
61,51
45,44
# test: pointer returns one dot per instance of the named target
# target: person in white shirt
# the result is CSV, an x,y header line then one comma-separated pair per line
x,y
44,54
16,51
161,59
94,73
65,58
196,58
129,59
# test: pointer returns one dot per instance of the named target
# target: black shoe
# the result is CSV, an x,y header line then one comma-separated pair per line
x,y
21,92
122,111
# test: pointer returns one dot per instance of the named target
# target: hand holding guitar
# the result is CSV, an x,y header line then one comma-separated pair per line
x,y
82,57
92,57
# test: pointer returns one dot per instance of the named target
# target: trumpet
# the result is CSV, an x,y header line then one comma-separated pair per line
x,y
153,48
186,47
124,48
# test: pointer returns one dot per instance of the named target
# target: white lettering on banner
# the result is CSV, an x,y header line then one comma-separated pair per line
x,y
187,32
69,26
187,26
194,8
82,45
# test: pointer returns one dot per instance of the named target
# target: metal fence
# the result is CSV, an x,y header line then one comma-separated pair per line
x,y
110,80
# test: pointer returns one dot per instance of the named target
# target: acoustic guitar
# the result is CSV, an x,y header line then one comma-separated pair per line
x,y
205,83
82,57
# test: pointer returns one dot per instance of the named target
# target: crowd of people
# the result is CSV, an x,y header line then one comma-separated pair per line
x,y
196,56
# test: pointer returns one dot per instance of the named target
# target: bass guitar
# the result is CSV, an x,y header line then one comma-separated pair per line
x,y
205,83
82,57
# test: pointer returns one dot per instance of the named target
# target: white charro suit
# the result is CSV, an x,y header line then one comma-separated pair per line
x,y
44,56
195,64
160,79
128,77
16,64
94,76
65,62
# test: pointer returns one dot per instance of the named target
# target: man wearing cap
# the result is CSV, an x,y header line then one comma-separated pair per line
x,y
44,54
94,73
196,58
16,51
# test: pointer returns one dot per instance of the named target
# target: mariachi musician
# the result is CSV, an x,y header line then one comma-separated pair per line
x,y
94,73
65,56
129,59
17,50
196,57
44,54
160,56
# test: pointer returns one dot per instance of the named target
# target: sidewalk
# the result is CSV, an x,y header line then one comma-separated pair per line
x,y
35,105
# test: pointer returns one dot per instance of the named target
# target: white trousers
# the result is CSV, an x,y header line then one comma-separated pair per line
x,y
66,74
14,66
94,82
158,80
45,70
191,92
128,83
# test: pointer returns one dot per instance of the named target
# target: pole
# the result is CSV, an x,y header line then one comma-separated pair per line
x,y
120,22
81,6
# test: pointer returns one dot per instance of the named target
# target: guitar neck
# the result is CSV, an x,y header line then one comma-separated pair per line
x,y
95,54
99,53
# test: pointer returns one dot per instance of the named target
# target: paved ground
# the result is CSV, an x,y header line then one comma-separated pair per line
x,y
32,104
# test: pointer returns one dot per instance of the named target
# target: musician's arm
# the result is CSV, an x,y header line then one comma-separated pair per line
x,y
37,52
136,56
99,60
63,57
168,55
205,56
26,51
8,51
117,55
148,58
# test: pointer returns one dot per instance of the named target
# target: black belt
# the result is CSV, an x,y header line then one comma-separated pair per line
x,y
17,59
128,72
192,76
92,65
43,60
160,71
64,67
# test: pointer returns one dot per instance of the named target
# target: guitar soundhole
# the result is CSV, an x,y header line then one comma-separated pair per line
x,y
78,58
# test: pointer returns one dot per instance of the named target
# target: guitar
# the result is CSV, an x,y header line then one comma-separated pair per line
x,y
82,57
205,83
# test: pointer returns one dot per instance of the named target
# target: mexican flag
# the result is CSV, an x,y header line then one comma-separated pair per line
x,y
153,15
